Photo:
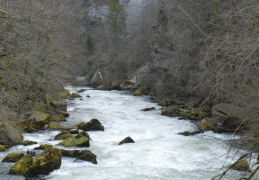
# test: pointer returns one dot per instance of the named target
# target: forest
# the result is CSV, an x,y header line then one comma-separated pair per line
x,y
200,56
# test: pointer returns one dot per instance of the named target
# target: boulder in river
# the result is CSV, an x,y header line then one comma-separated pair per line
x,y
242,165
43,146
141,91
72,153
27,143
188,133
64,94
148,109
88,156
209,124
171,111
9,134
13,157
74,131
79,142
127,140
63,135
82,134
22,165
75,95
64,113
92,125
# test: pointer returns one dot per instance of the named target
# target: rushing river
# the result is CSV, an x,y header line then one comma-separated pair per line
x,y
159,152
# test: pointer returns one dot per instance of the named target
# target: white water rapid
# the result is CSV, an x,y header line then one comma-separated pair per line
x,y
159,152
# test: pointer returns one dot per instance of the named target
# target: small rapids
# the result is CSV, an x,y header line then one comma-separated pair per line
x,y
159,152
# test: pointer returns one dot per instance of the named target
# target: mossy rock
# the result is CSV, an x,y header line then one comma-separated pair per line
x,y
64,94
43,146
39,119
88,156
171,111
209,124
108,87
54,125
10,134
128,86
13,157
64,113
188,133
63,135
22,165
81,134
92,125
2,148
75,95
79,142
141,91
72,153
45,162
166,102
126,140
58,117
241,166
59,105
27,143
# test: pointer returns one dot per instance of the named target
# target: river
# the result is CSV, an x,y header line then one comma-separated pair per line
x,y
159,152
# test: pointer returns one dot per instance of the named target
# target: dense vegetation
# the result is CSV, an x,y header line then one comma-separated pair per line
x,y
195,53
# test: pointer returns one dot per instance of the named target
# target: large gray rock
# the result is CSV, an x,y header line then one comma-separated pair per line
x,y
59,105
10,134
82,81
93,125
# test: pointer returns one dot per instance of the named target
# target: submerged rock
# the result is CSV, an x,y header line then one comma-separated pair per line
x,y
27,143
92,125
171,111
126,140
10,134
13,157
188,133
63,135
88,156
79,142
148,109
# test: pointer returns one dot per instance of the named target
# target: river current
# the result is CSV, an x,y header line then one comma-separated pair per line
x,y
159,152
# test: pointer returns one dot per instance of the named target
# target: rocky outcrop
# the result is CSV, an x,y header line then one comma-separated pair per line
x,y
64,94
58,117
97,79
128,85
13,157
82,81
241,166
92,125
64,113
141,91
59,105
10,134
108,87
126,140
54,125
79,142
229,117
38,119
171,111
63,135
209,124
88,156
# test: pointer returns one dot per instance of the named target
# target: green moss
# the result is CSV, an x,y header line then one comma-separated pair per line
x,y
64,113
2,148
242,166
64,94
22,166
58,117
13,157
63,135
80,142
208,124
141,91
75,95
